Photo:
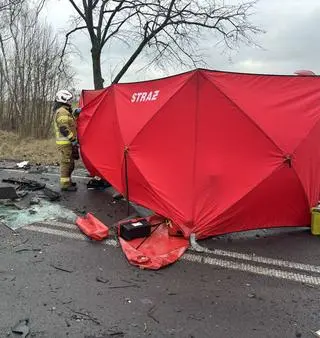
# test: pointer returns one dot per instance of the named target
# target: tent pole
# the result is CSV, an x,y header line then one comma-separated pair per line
x,y
126,178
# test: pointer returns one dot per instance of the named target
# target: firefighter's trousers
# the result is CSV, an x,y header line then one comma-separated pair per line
x,y
66,164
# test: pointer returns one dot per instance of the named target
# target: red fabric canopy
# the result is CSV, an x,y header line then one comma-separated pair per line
x,y
87,95
214,152
90,100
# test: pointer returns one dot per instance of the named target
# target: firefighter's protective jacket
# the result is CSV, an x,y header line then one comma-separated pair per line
x,y
65,126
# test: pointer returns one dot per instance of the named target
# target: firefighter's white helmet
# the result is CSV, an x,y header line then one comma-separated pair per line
x,y
64,96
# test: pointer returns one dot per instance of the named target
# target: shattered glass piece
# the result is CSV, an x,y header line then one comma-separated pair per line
x,y
44,211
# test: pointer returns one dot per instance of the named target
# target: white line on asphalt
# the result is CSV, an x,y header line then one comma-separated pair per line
x,y
67,234
43,173
73,176
207,260
296,277
229,254
55,232
60,224
264,260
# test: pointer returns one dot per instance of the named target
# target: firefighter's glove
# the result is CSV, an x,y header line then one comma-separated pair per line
x,y
77,112
75,152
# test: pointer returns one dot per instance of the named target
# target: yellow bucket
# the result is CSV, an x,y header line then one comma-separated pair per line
x,y
315,220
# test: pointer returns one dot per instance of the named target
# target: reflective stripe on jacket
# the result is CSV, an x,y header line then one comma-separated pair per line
x,y
64,121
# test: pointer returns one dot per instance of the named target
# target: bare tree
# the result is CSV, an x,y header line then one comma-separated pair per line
x,y
6,4
29,69
165,29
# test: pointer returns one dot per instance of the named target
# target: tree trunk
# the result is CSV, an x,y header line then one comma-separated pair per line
x,y
129,62
134,56
96,65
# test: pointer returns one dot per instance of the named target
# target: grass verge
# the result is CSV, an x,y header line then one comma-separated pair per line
x,y
35,151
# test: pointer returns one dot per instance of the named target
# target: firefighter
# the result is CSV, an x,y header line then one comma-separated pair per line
x,y
66,138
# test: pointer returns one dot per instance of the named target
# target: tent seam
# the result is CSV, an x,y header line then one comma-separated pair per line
x,y
295,151
305,138
261,182
303,189
246,116
253,188
90,121
157,112
151,188
195,148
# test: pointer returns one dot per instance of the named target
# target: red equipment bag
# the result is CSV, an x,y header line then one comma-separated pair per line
x,y
92,227
155,251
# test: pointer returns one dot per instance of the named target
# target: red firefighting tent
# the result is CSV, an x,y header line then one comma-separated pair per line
x,y
88,99
214,152
87,95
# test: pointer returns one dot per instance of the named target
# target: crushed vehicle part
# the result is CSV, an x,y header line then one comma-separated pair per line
x,y
51,195
22,193
25,184
34,201
8,193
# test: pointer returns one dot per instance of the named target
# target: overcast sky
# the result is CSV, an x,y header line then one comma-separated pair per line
x,y
291,42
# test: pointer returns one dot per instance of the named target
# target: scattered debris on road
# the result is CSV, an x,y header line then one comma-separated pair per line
x,y
102,280
8,193
41,212
22,328
23,165
28,249
61,268
78,315
98,184
34,201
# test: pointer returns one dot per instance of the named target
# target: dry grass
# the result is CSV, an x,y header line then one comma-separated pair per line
x,y
35,151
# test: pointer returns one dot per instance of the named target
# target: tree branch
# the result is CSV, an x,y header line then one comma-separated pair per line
x,y
66,43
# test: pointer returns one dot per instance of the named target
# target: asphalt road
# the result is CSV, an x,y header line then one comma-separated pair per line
x,y
257,284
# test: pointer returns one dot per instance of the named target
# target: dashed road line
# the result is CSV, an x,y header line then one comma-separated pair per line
x,y
60,225
264,260
67,234
43,173
277,273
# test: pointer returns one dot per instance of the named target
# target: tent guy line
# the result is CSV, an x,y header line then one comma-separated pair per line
x,y
212,259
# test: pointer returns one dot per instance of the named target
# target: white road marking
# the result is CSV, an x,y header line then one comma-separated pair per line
x,y
296,277
264,260
209,260
43,173
60,224
55,232
66,234
73,176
